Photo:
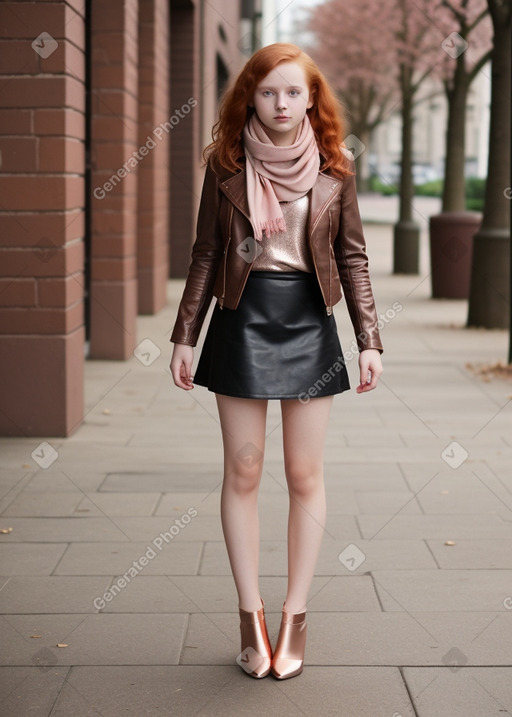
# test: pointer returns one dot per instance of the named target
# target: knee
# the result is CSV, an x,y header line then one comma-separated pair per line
x,y
243,479
303,479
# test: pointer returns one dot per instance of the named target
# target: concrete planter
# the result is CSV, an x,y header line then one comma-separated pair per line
x,y
451,252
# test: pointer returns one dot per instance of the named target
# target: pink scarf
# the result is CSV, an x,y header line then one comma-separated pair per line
x,y
277,173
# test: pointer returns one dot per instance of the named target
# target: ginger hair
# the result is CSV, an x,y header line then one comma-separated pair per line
x,y
327,116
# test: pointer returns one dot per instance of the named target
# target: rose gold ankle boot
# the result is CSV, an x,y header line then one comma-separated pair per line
x,y
288,659
256,654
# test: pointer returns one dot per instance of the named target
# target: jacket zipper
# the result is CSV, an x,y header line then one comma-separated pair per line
x,y
221,300
329,308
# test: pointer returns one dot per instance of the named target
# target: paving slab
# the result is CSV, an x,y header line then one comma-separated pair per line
x,y
50,594
460,691
30,559
48,504
119,504
73,480
443,590
58,530
371,638
100,639
30,690
177,478
374,502
377,554
227,690
398,526
473,554
162,558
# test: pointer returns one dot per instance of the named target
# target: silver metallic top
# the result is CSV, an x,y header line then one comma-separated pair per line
x,y
287,251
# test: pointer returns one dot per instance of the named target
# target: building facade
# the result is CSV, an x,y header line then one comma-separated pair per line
x,y
105,108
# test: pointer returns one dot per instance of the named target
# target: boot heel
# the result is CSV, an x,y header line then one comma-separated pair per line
x,y
288,660
256,654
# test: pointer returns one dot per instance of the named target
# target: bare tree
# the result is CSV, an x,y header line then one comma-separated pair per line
x,y
465,30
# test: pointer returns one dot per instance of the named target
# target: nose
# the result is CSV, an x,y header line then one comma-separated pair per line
x,y
281,101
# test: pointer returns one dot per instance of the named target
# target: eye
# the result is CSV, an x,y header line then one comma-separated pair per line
x,y
267,93
294,93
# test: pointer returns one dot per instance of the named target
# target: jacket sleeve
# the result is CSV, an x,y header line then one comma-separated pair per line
x,y
206,254
352,262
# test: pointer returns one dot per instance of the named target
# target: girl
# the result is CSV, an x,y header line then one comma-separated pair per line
x,y
278,236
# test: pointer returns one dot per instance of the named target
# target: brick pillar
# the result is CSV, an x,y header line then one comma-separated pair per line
x,y
42,101
153,189
115,159
185,160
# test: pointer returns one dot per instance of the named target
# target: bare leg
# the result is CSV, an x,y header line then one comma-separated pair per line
x,y
243,423
304,428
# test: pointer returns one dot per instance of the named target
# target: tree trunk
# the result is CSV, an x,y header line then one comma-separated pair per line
x,y
454,191
406,183
489,300
406,232
362,161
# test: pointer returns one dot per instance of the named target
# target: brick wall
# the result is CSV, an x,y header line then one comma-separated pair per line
x,y
153,189
108,81
41,217
114,170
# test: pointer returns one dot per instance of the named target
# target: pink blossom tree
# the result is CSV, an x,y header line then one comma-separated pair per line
x,y
356,54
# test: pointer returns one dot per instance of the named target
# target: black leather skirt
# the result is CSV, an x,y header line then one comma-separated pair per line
x,y
278,343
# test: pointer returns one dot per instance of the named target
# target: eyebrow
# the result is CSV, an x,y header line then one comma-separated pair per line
x,y
290,87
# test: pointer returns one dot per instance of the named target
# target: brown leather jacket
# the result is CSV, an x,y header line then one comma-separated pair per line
x,y
335,237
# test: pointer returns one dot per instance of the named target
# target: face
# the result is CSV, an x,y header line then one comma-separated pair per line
x,y
281,100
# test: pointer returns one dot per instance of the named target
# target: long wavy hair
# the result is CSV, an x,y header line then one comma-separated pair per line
x,y
327,116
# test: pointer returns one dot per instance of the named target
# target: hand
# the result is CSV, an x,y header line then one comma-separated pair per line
x,y
370,368
181,366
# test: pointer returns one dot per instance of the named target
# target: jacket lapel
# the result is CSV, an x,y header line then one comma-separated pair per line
x,y
322,193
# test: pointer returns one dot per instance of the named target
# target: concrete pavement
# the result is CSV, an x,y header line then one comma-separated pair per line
x,y
116,552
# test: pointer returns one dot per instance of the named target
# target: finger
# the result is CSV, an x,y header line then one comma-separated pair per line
x,y
180,376
364,374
